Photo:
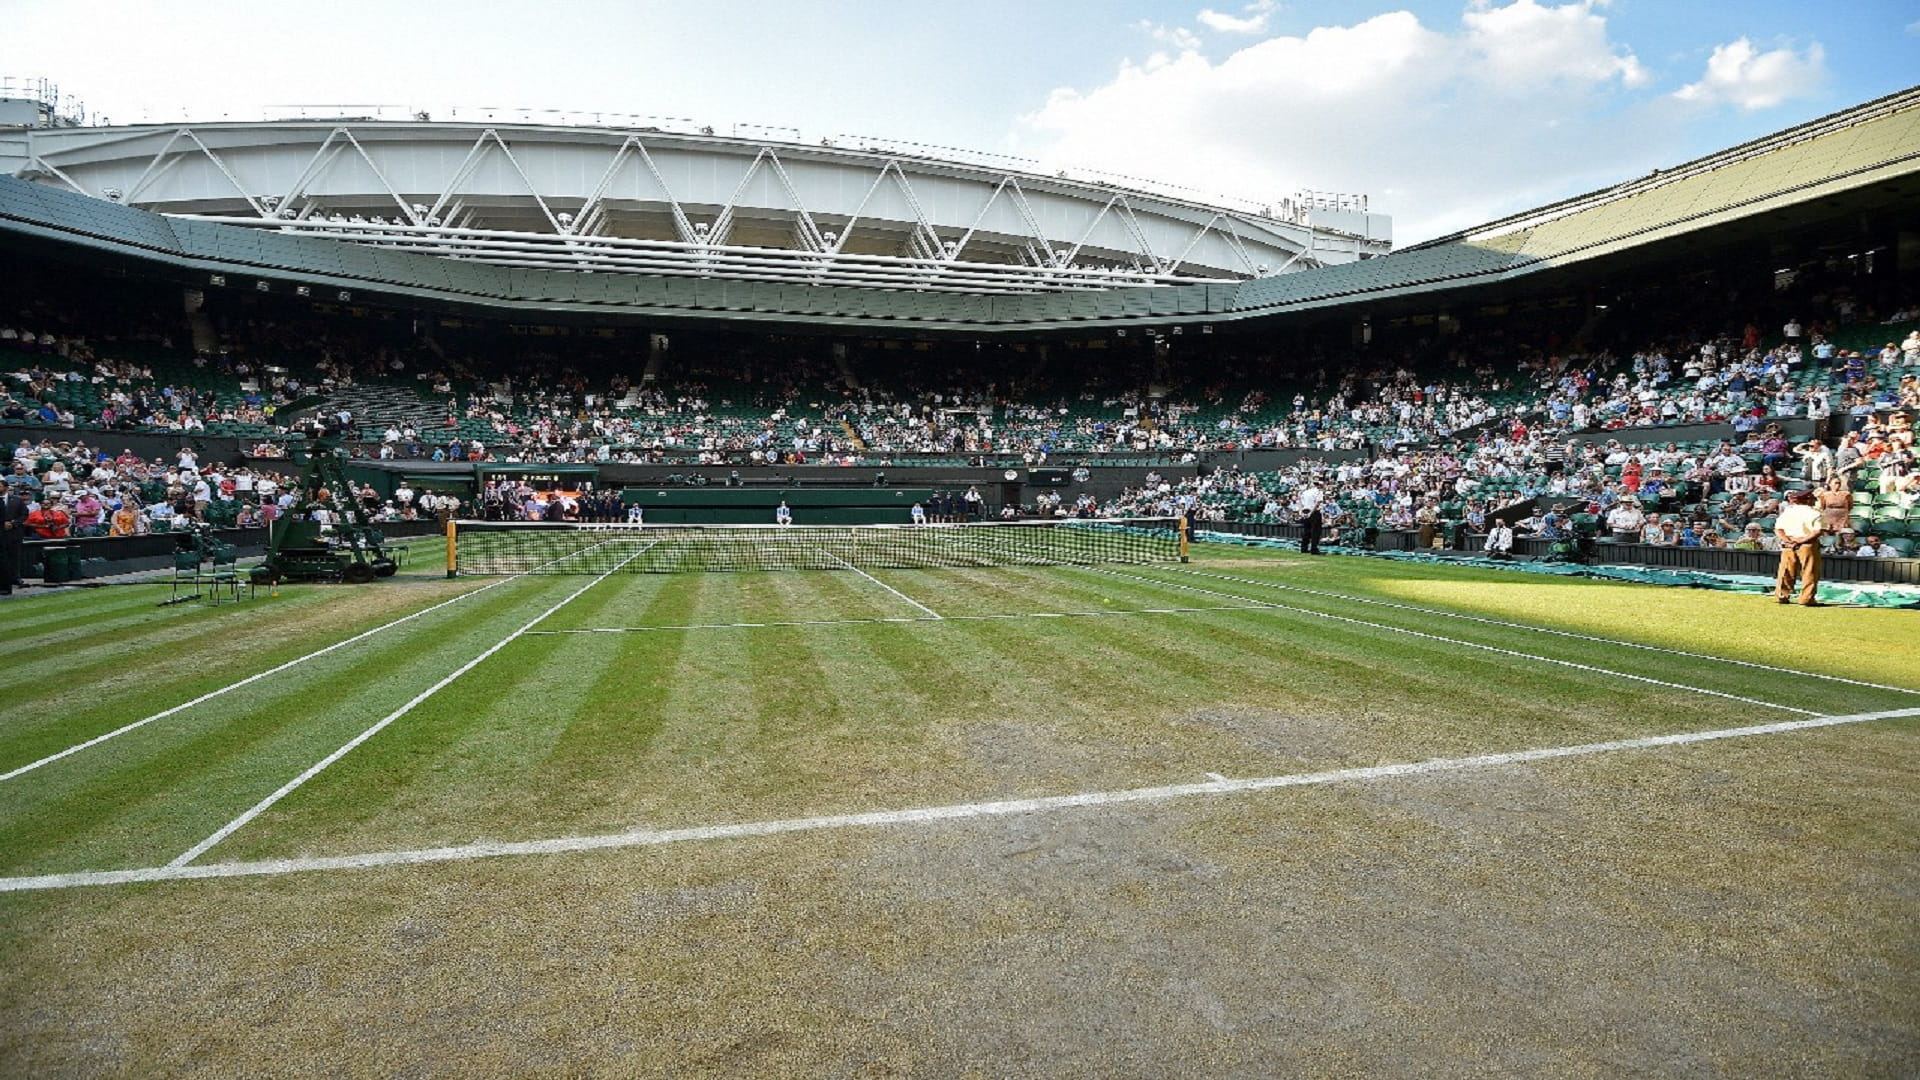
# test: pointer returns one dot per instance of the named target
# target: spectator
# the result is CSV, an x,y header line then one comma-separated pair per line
x,y
1626,520
50,521
1500,540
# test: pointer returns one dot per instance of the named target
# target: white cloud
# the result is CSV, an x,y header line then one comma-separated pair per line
x,y
1253,22
1181,38
1738,74
1522,45
1443,127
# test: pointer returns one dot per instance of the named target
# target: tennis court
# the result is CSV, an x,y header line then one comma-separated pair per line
x,y
789,812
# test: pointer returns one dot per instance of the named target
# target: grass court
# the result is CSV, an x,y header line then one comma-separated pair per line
x,y
1254,815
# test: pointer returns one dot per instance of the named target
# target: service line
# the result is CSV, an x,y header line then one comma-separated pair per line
x,y
871,619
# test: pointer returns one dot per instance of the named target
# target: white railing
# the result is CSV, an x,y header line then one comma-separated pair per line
x,y
1294,210
670,258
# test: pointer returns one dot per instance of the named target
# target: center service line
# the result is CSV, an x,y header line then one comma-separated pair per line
x,y
884,585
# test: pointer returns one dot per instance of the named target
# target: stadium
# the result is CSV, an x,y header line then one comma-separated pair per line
x,y
513,593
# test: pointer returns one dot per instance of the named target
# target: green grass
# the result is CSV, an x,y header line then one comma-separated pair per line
x,y
563,734
590,732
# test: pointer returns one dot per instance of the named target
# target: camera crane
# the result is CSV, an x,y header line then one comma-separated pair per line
x,y
345,547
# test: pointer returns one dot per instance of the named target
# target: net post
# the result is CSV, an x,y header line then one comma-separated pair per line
x,y
452,530
1186,531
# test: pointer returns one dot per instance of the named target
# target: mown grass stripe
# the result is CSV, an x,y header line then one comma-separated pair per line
x,y
924,814
1533,629
1513,653
1738,678
104,654
290,786
1354,664
457,761
167,785
29,622
238,684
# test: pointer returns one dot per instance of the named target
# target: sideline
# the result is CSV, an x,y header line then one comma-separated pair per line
x,y
1516,653
921,815
288,788
1770,668
248,681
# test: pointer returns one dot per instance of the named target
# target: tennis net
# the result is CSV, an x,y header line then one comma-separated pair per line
x,y
491,547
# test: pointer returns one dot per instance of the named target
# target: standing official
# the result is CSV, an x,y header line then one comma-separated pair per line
x,y
1799,529
13,537
1311,519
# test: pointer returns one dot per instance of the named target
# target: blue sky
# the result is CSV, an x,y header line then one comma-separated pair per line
x,y
1445,113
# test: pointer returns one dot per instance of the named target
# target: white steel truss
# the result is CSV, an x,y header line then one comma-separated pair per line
x,y
609,201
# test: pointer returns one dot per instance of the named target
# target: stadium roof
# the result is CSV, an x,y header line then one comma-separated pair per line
x,y
1865,159
626,200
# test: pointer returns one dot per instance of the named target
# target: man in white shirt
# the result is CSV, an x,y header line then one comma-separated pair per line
x,y
1500,540
1312,520
1626,520
1798,529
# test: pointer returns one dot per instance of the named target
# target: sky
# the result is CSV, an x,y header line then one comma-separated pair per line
x,y
1445,113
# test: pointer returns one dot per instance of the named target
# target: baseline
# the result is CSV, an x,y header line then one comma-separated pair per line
x,y
916,816
290,786
1468,644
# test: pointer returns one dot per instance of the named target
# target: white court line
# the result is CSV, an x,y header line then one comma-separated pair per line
x,y
884,585
286,789
1771,668
1468,644
916,816
251,679
1255,606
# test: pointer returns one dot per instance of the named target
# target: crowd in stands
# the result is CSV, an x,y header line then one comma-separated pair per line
x,y
77,490
74,490
1429,434
474,394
